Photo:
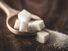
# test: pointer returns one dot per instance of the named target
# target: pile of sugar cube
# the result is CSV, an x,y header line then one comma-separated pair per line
x,y
24,24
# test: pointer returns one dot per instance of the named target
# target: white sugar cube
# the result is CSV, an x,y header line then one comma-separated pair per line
x,y
42,36
37,25
23,26
16,25
24,15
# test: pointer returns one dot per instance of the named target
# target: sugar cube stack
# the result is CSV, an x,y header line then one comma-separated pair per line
x,y
24,18
22,22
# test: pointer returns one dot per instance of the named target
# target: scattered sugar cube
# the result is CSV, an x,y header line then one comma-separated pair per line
x,y
16,25
24,15
42,36
23,26
37,25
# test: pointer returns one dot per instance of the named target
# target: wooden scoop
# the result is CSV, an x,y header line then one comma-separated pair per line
x,y
12,16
